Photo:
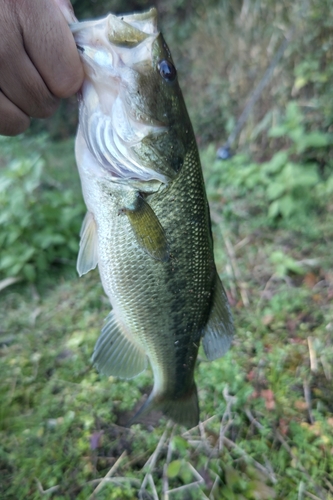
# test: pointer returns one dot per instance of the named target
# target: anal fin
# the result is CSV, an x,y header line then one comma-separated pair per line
x,y
116,353
219,330
88,256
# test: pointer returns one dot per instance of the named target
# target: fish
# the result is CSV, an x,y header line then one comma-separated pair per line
x,y
147,226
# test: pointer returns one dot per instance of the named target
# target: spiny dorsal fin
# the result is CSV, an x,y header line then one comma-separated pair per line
x,y
88,253
219,330
116,353
148,230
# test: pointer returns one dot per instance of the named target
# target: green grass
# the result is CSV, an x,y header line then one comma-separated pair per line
x,y
266,407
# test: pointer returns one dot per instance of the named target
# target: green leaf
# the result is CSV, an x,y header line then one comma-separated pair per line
x,y
274,209
278,131
174,468
180,444
276,163
318,140
287,205
275,190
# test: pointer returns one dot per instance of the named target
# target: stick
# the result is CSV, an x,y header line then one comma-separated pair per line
x,y
151,462
312,354
111,471
236,272
300,466
165,479
257,93
307,396
153,487
259,466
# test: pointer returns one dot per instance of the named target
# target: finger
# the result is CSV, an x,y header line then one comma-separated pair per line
x,y
52,50
22,84
67,10
19,79
12,120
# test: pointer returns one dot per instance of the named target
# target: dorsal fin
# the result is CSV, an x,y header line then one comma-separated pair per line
x,y
88,253
219,330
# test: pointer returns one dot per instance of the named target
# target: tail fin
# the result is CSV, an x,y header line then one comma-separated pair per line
x,y
182,410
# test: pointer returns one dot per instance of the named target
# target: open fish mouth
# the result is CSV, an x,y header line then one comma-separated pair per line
x,y
115,51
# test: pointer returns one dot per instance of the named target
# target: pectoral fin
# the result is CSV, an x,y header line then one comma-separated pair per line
x,y
88,256
148,231
116,353
219,330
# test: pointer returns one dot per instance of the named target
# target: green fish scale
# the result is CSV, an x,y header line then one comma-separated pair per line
x,y
164,306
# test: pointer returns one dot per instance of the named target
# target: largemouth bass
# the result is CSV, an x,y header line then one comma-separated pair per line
x,y
148,224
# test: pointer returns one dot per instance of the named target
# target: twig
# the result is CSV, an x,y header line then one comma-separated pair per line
x,y
216,481
199,480
223,430
109,474
8,281
307,396
230,400
165,479
329,485
117,479
196,473
253,421
266,287
151,462
311,495
242,243
300,466
300,491
313,356
257,91
153,487
185,487
188,433
49,490
259,466
326,367
136,459
204,441
236,272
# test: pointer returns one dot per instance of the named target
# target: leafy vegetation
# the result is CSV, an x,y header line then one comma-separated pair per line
x,y
40,216
266,407
291,182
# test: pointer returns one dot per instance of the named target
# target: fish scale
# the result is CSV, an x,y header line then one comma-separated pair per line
x,y
134,281
149,233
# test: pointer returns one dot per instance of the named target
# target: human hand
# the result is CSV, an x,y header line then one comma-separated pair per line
x,y
39,61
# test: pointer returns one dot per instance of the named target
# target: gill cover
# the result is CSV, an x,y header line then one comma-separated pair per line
x,y
125,114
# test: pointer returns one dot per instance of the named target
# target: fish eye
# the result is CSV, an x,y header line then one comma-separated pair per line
x,y
167,70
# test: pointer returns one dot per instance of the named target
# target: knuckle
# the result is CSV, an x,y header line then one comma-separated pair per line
x,y
68,85
12,125
41,103
46,108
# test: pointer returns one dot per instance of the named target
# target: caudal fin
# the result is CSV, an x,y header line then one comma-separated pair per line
x,y
183,410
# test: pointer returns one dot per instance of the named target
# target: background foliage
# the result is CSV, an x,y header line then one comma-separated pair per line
x,y
266,407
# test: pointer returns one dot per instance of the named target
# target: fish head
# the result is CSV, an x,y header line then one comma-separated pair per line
x,y
132,111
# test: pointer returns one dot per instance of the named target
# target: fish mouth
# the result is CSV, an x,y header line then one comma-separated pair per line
x,y
105,42
114,51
